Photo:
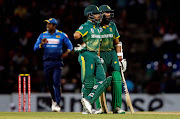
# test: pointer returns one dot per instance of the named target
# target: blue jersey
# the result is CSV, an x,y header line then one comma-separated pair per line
x,y
53,48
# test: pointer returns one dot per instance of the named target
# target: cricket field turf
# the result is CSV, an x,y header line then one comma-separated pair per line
x,y
78,115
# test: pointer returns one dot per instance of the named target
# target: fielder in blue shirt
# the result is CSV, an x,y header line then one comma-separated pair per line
x,y
52,42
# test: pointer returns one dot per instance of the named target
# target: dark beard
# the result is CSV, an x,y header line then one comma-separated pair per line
x,y
105,21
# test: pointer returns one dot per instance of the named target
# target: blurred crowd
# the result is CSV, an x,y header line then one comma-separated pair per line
x,y
148,30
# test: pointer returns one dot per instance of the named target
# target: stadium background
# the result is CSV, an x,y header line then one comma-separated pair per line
x,y
149,32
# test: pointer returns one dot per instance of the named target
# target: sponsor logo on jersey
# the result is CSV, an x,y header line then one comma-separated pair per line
x,y
115,62
92,30
107,36
58,36
52,41
95,36
91,66
102,36
110,29
81,27
100,29
52,46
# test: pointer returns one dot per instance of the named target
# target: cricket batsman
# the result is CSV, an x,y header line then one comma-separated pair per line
x,y
113,57
91,65
51,41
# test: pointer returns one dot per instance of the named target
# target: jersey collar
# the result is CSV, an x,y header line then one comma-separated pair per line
x,y
106,26
90,22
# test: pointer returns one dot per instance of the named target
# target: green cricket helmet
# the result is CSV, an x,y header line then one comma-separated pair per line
x,y
90,11
106,8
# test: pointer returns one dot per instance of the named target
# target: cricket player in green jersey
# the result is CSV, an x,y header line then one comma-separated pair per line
x,y
113,57
94,81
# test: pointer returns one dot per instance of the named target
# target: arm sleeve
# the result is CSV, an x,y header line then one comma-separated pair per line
x,y
67,42
116,34
82,30
37,44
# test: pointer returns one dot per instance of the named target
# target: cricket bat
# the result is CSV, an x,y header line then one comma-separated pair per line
x,y
128,100
102,98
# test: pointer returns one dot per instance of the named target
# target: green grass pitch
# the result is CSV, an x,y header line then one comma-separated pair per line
x,y
78,115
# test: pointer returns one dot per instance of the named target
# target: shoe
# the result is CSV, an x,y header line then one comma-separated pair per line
x,y
53,104
55,107
86,104
84,111
118,111
99,111
94,111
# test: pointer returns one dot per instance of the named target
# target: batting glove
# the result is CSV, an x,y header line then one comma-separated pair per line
x,y
123,64
80,48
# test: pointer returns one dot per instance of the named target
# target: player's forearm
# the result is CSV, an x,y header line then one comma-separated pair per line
x,y
37,46
69,46
119,52
65,54
68,51
118,46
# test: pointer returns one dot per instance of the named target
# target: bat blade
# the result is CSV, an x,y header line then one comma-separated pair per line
x,y
128,100
103,103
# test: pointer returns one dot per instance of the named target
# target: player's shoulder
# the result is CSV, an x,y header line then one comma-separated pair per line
x,y
85,25
59,32
112,24
64,34
45,32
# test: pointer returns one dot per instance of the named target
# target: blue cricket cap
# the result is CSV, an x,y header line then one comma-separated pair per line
x,y
52,21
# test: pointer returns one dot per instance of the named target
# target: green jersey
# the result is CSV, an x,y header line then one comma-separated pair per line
x,y
91,35
108,35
